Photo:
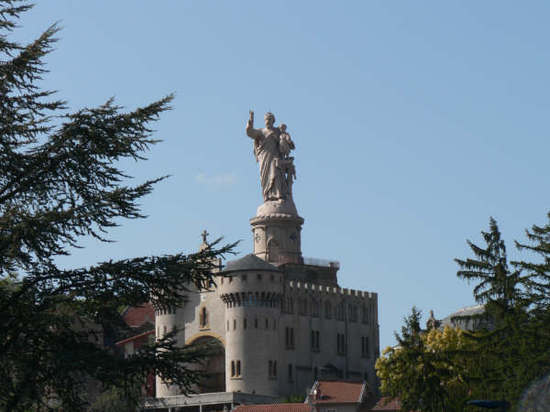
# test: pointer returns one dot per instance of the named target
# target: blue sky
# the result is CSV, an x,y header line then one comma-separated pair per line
x,y
414,123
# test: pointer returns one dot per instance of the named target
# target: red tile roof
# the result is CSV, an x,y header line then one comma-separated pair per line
x,y
387,404
136,337
137,316
339,392
276,407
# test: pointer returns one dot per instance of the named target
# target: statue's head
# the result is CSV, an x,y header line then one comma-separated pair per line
x,y
269,119
282,126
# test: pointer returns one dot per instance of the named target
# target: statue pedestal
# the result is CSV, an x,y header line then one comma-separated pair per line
x,y
277,232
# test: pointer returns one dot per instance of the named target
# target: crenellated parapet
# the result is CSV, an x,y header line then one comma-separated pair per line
x,y
330,302
298,287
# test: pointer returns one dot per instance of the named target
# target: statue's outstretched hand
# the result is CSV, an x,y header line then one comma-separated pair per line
x,y
251,118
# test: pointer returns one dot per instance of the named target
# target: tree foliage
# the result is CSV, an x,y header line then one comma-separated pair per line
x,y
441,369
423,369
60,181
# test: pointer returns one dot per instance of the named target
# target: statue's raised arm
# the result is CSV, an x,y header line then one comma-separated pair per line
x,y
250,131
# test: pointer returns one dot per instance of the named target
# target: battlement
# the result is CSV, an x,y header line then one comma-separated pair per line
x,y
332,290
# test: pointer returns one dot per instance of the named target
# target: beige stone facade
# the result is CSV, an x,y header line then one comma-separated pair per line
x,y
281,327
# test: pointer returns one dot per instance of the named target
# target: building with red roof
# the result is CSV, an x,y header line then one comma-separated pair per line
x,y
142,320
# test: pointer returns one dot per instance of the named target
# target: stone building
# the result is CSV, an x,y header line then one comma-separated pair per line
x,y
281,321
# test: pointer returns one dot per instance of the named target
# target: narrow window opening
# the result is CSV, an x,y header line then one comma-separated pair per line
x,y
203,317
290,377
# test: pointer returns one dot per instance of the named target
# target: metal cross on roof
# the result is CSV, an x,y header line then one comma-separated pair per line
x,y
204,234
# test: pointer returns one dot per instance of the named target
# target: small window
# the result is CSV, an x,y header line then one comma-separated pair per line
x,y
302,306
234,324
289,338
266,323
273,278
340,311
272,369
244,278
259,276
203,317
290,374
227,325
364,346
340,344
315,307
244,323
352,313
315,340
238,368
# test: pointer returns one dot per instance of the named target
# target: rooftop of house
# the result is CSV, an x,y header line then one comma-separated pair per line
x,y
275,407
138,315
142,337
338,392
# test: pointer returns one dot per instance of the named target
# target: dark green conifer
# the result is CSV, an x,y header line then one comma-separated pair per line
x,y
59,181
506,343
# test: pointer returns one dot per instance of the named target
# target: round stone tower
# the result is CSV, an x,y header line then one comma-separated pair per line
x,y
165,322
252,291
277,232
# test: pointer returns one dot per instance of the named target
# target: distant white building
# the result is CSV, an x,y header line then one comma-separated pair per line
x,y
469,318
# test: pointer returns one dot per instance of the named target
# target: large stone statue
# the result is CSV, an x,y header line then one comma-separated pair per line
x,y
272,146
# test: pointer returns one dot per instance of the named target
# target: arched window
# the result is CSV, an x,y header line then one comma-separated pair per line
x,y
315,307
203,318
364,314
328,310
340,311
302,306
352,313
288,304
